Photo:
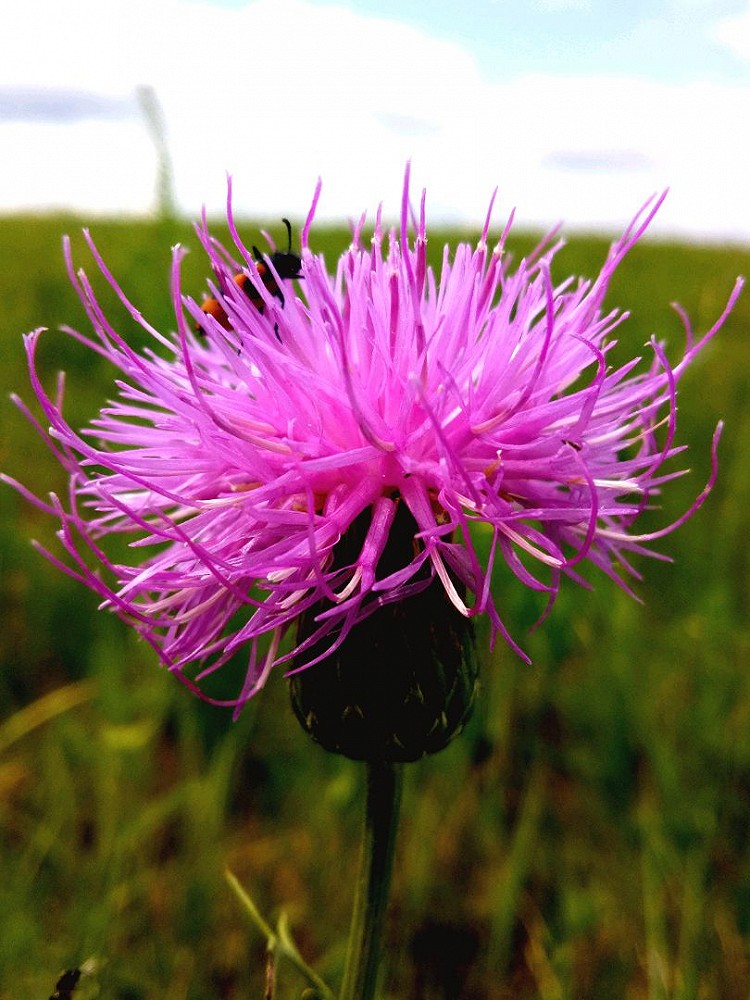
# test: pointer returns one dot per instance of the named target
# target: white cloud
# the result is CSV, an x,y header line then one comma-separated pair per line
x,y
280,91
98,167
734,32
689,6
560,5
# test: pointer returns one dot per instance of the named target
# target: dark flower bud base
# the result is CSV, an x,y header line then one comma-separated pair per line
x,y
403,682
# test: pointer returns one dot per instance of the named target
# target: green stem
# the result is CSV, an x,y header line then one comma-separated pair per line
x,y
278,942
373,881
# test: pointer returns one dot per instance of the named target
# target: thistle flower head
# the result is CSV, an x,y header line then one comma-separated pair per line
x,y
235,457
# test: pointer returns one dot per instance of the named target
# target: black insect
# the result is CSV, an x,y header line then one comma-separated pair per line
x,y
66,984
287,266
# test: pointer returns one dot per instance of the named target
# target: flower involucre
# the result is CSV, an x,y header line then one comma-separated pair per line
x,y
236,459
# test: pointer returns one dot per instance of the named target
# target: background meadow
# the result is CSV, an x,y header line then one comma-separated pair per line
x,y
587,837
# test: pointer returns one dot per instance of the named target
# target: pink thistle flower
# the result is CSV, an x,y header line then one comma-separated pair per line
x,y
235,458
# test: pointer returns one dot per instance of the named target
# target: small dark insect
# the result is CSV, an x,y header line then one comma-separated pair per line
x,y
287,266
66,984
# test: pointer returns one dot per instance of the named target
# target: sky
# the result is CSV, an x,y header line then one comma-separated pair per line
x,y
576,110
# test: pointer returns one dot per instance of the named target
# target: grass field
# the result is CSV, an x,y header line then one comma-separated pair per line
x,y
588,836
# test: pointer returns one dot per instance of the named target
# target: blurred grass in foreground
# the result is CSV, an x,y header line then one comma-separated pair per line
x,y
587,837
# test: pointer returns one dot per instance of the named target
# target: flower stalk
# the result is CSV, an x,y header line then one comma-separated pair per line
x,y
373,881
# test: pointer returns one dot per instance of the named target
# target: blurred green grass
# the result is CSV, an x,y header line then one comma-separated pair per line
x,y
587,837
